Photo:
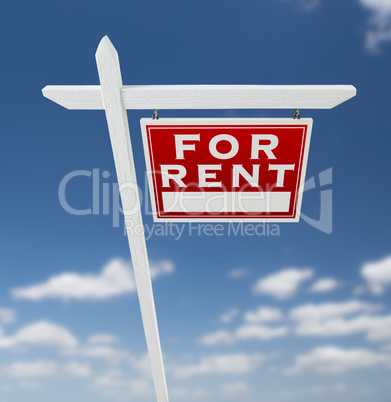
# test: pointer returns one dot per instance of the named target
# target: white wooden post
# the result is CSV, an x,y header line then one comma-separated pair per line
x,y
111,86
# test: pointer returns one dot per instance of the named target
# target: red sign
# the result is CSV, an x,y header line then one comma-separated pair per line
x,y
226,169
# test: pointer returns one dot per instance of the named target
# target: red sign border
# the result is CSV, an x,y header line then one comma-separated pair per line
x,y
305,122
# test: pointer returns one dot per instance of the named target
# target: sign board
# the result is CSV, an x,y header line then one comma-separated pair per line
x,y
219,170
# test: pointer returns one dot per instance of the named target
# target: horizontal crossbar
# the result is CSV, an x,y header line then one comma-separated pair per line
x,y
206,96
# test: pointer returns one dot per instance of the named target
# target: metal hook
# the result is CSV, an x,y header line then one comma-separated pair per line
x,y
297,114
155,116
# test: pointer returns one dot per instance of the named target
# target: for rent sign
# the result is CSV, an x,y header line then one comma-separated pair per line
x,y
226,169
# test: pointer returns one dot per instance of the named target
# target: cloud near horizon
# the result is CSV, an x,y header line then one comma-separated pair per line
x,y
239,363
283,284
377,275
263,314
259,333
42,333
115,279
45,368
332,319
324,285
342,319
331,359
7,315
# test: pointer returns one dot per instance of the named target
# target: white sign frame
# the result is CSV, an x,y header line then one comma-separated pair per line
x,y
115,98
224,121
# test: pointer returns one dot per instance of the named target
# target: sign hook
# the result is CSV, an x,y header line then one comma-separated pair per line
x,y
155,115
297,114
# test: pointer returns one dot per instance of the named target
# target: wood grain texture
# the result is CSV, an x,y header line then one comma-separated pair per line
x,y
111,83
75,97
207,96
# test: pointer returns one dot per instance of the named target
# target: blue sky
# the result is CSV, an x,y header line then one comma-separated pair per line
x,y
70,326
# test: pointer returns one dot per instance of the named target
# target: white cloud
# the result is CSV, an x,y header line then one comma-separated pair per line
x,y
76,369
237,273
5,388
311,312
330,359
105,381
334,319
378,5
379,25
161,267
142,364
46,334
377,329
110,379
260,332
365,389
243,333
102,338
114,380
141,387
283,284
231,388
312,391
264,314
30,385
52,335
227,317
231,364
378,275
324,285
6,342
7,315
115,279
379,22
340,387
186,393
42,333
30,369
217,338
104,352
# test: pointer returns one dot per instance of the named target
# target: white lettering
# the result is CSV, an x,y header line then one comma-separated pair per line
x,y
177,177
281,169
203,175
267,148
252,179
223,137
180,146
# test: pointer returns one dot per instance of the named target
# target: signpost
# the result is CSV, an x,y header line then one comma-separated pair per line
x,y
260,163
